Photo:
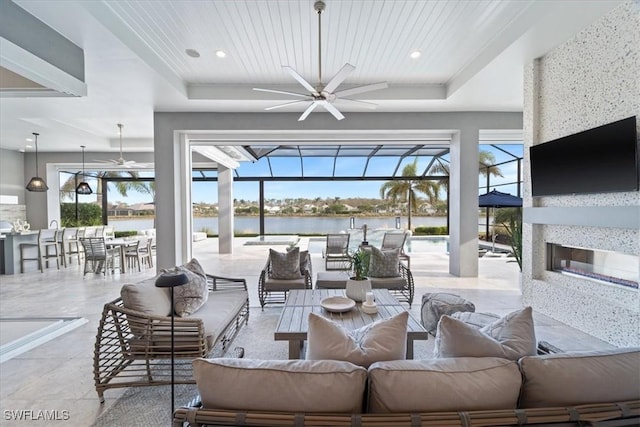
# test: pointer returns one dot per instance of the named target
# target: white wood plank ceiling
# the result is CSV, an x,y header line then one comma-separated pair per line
x,y
473,53
376,36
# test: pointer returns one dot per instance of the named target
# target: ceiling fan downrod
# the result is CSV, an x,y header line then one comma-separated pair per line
x,y
319,8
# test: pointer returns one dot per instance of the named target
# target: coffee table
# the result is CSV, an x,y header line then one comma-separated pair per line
x,y
293,322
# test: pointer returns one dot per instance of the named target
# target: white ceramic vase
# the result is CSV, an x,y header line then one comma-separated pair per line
x,y
357,289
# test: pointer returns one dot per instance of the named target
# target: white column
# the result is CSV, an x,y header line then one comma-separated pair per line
x,y
463,204
225,210
172,158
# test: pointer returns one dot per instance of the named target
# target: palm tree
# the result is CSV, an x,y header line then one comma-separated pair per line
x,y
123,187
405,190
486,167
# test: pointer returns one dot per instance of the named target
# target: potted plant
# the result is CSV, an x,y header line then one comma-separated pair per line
x,y
359,284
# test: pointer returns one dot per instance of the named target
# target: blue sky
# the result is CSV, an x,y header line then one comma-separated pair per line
x,y
207,191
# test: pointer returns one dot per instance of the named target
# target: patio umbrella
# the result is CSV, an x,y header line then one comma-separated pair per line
x,y
497,199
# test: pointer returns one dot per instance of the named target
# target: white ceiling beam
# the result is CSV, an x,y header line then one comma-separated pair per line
x,y
246,92
526,18
109,18
35,51
216,155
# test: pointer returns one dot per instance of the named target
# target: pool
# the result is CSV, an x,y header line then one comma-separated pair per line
x,y
413,244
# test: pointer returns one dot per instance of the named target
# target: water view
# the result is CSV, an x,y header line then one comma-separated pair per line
x,y
289,225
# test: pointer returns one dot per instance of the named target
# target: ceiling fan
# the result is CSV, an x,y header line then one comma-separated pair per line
x,y
321,94
121,161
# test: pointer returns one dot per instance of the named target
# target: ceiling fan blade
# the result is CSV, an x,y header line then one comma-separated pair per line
x,y
308,111
301,80
365,104
286,104
339,78
283,92
333,110
361,89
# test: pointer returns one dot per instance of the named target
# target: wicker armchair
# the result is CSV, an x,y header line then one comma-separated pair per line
x,y
133,348
271,290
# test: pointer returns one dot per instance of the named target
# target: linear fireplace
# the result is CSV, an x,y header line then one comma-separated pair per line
x,y
605,266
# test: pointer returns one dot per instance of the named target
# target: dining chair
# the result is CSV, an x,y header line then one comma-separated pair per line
x,y
136,252
336,252
97,257
395,240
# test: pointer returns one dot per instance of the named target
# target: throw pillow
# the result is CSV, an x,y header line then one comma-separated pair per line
x,y
384,263
189,297
285,265
379,341
510,337
304,262
304,259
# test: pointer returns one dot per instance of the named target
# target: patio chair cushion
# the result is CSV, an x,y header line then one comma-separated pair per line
x,y
284,284
381,340
223,305
397,282
285,265
280,385
510,337
145,297
577,378
190,297
433,385
384,263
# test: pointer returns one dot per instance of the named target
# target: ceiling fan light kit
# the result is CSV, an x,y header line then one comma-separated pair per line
x,y
324,95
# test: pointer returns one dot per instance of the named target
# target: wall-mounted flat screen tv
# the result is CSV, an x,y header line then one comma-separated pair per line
x,y
598,160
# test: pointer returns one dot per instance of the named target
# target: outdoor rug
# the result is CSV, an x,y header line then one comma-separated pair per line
x,y
151,406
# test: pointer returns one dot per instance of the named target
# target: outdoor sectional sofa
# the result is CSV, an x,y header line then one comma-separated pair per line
x,y
133,343
568,389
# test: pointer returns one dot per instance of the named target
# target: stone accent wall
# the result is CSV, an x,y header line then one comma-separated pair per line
x,y
586,82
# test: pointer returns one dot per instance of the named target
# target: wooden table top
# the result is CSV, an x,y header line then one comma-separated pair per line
x,y
293,322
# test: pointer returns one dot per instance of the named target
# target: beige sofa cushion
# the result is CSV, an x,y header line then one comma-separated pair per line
x,y
280,385
381,340
431,385
145,297
510,337
219,311
578,378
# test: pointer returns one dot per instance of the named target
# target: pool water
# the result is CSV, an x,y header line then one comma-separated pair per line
x,y
413,244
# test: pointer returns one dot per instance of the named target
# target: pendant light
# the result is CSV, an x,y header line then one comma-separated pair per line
x,y
83,187
36,183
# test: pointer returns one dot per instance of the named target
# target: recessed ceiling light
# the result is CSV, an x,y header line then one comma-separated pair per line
x,y
29,139
221,53
192,53
415,54
29,146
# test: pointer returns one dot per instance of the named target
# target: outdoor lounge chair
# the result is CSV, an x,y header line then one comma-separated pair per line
x,y
275,290
336,252
396,240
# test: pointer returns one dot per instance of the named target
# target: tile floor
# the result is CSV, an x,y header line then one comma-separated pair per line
x,y
58,375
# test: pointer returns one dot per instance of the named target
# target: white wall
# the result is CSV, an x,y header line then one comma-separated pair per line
x,y
586,82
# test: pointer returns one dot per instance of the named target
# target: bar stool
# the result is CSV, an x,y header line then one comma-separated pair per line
x,y
47,239
70,245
